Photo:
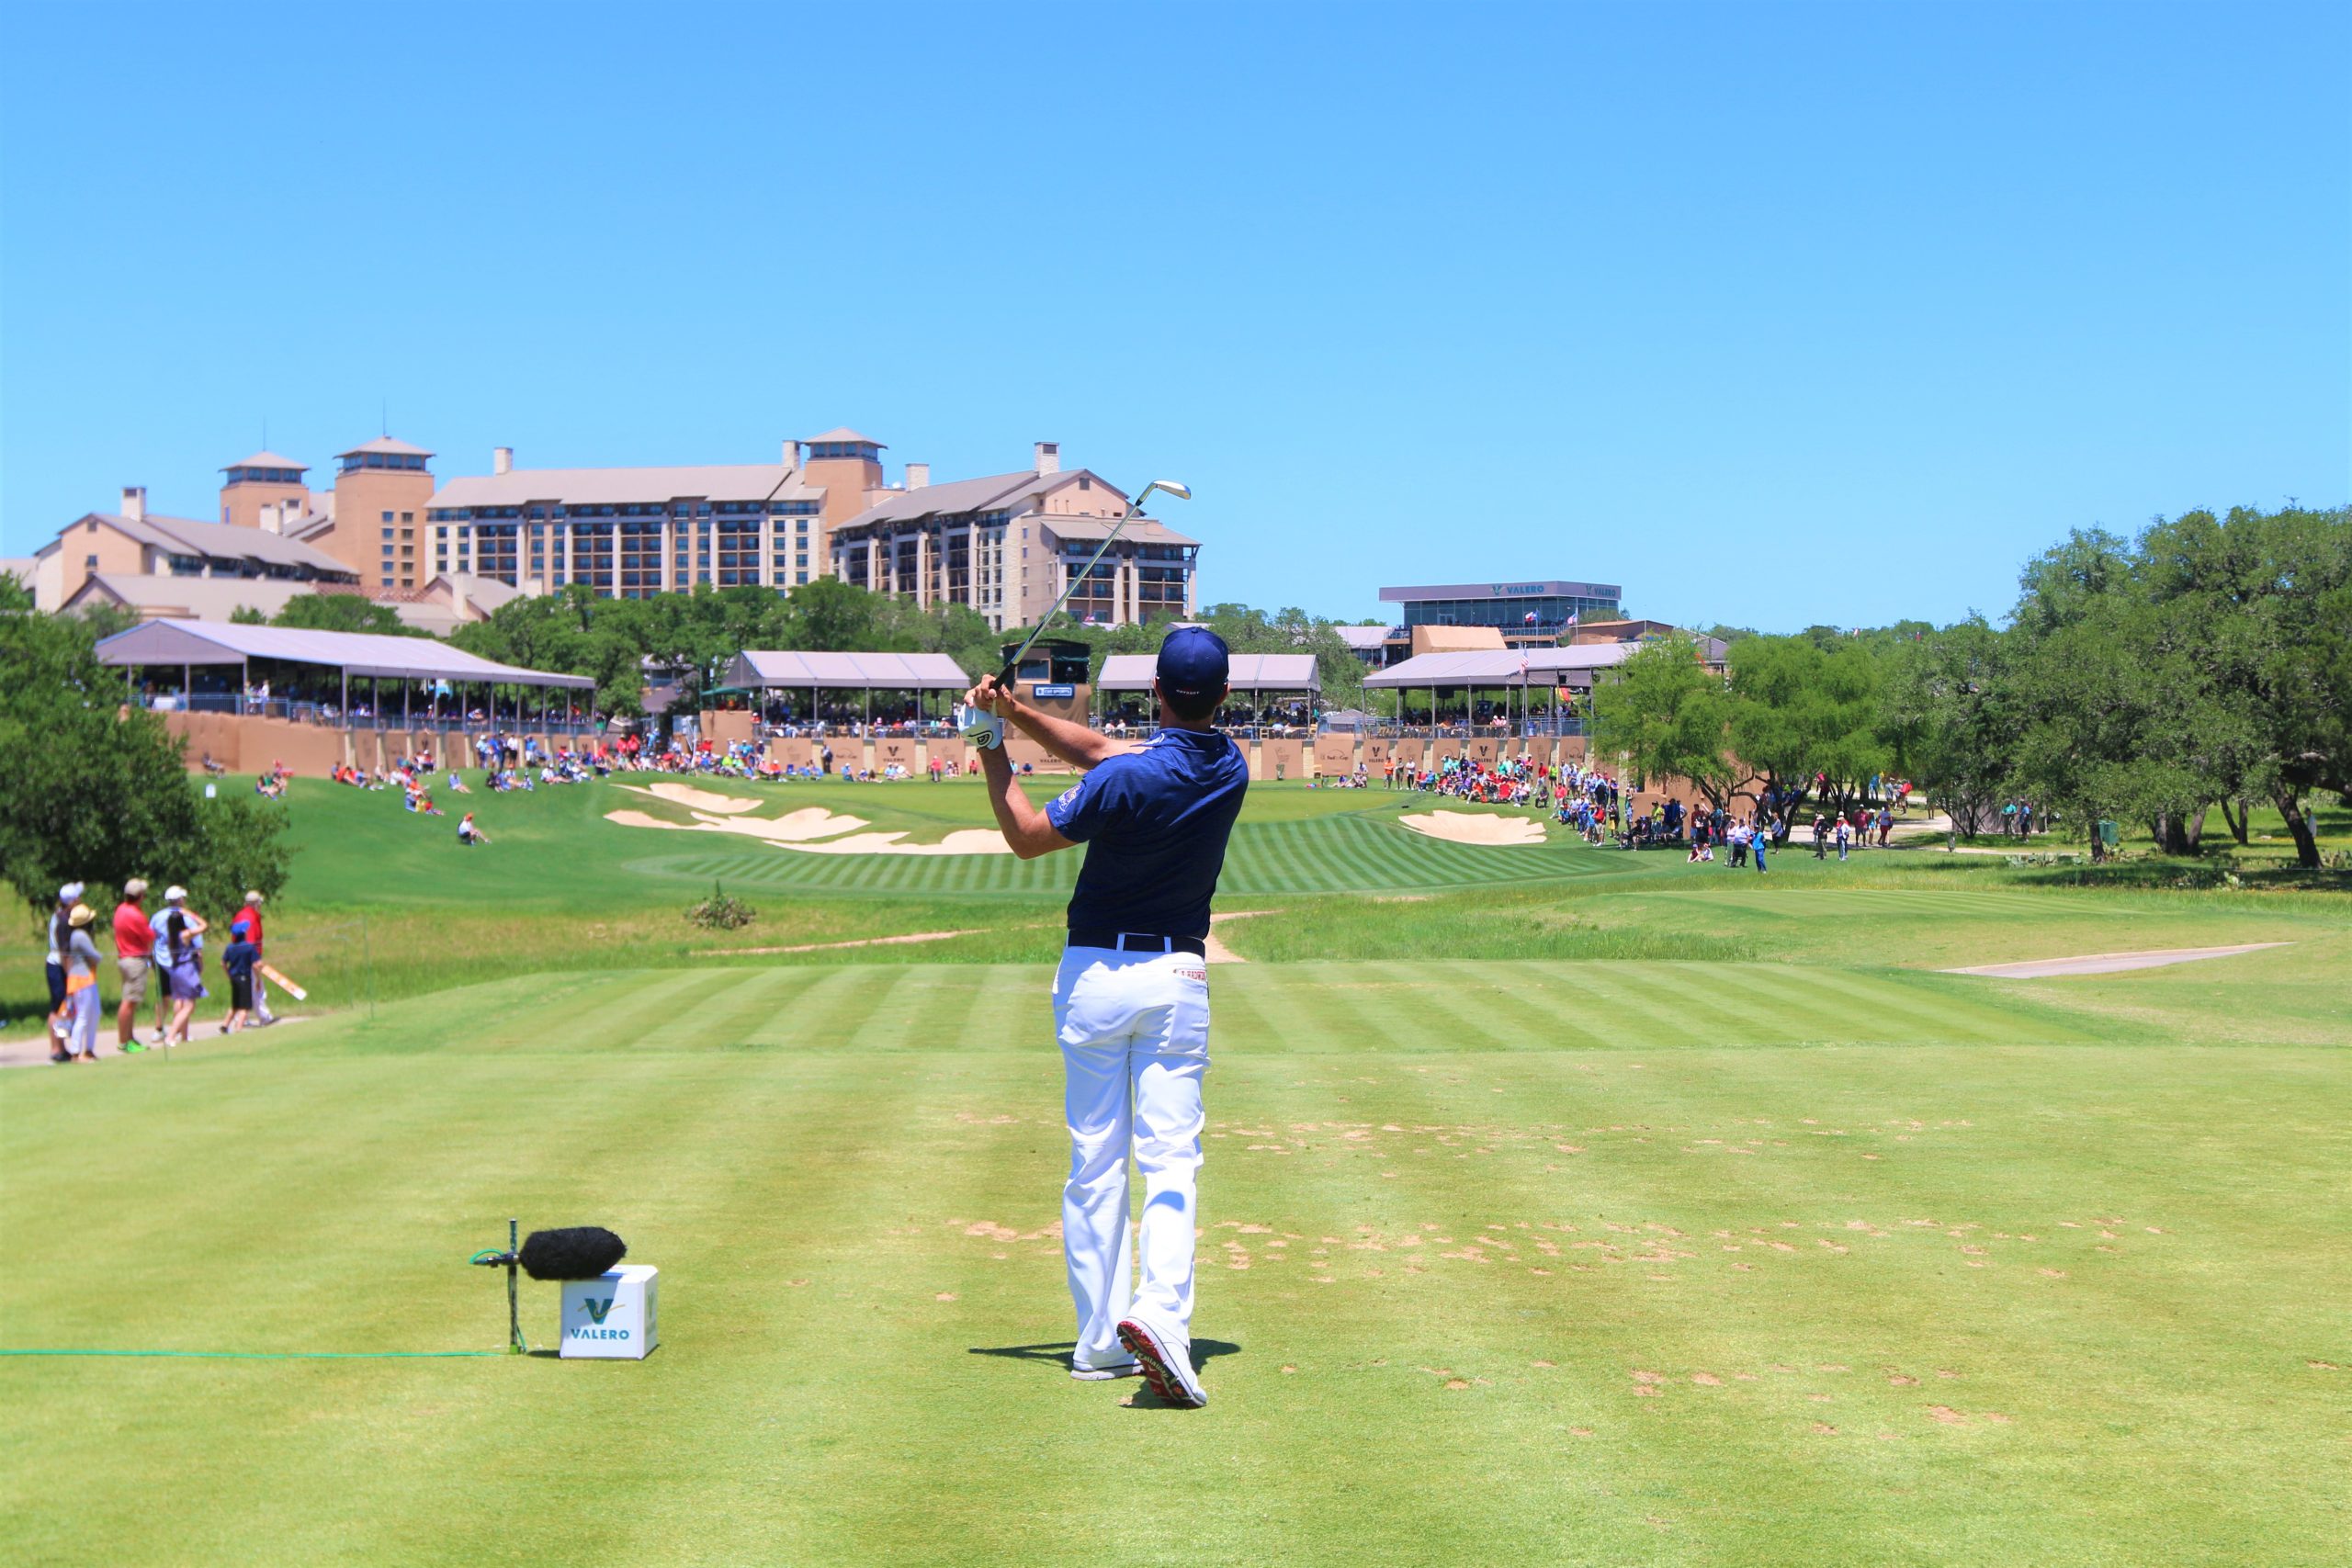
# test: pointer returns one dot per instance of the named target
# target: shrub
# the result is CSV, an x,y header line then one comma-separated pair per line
x,y
722,912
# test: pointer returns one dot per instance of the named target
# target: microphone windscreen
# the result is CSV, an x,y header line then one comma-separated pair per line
x,y
579,1252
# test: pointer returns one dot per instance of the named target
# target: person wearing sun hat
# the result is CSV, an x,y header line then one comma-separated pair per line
x,y
54,933
81,955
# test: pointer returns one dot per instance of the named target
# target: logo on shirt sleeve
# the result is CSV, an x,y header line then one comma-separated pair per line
x,y
1069,798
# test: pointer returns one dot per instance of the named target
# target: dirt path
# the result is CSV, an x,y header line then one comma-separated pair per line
x,y
32,1050
1217,952
834,946
2109,962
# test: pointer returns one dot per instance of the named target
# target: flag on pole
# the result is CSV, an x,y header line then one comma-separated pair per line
x,y
1529,617
1570,621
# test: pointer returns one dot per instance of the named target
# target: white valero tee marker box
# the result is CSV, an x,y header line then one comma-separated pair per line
x,y
611,1318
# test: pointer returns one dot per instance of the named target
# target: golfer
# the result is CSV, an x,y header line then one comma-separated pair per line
x,y
1131,998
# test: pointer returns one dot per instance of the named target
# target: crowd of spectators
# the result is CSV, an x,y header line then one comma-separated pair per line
x,y
166,953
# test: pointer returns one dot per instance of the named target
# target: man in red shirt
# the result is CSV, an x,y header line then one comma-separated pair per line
x,y
251,915
134,948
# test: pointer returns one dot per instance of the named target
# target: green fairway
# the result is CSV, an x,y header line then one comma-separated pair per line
x,y
1562,1206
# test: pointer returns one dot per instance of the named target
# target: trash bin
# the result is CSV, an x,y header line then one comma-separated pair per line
x,y
2110,835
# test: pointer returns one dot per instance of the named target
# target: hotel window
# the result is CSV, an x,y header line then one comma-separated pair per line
x,y
387,517
408,516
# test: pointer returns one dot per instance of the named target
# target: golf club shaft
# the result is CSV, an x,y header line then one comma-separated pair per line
x,y
1004,676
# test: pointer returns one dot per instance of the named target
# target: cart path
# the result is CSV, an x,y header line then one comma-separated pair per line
x,y
32,1050
2109,962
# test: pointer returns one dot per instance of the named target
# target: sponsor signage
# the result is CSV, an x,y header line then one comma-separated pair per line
x,y
611,1318
1053,689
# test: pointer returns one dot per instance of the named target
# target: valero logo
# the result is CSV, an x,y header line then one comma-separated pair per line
x,y
598,1309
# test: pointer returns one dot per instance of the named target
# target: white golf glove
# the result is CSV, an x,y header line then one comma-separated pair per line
x,y
978,727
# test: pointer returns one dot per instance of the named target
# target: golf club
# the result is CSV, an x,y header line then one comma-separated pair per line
x,y
1181,491
984,728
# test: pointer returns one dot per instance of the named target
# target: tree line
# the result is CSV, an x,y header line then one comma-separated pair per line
x,y
690,638
2204,664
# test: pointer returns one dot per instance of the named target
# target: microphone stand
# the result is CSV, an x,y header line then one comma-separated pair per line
x,y
509,1261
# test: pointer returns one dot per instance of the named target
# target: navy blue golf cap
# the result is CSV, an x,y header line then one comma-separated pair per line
x,y
1194,661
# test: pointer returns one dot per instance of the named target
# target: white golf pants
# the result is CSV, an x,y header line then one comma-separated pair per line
x,y
1134,1036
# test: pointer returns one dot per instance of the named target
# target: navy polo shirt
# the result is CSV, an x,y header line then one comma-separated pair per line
x,y
1154,822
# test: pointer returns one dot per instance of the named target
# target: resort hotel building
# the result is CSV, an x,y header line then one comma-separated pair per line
x,y
1004,544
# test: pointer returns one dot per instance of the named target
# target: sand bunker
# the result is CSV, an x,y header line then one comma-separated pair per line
x,y
799,831
2108,962
1476,828
700,800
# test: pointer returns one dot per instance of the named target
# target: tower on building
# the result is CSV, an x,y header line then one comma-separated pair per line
x,y
381,491
262,483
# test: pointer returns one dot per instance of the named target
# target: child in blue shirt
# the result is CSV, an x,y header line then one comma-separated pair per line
x,y
237,962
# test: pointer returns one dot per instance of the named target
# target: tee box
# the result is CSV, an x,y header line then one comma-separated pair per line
x,y
611,1318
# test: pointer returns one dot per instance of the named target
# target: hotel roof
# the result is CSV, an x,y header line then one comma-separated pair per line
x,y
1543,590
948,500
843,432
385,443
215,541
1140,530
606,487
268,460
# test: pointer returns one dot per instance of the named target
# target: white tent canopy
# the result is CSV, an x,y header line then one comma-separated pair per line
x,y
188,644
1502,667
1251,672
754,669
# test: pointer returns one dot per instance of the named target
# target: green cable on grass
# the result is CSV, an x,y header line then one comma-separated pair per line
x,y
271,1354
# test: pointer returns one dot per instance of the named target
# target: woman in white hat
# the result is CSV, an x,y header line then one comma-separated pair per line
x,y
54,931
81,985
177,955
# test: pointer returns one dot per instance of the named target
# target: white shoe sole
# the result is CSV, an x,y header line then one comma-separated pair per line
x,y
1170,1376
1105,1374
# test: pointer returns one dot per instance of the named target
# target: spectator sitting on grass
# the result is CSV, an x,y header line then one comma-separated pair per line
x,y
469,835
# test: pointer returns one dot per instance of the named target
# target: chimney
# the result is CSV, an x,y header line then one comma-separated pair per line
x,y
1049,457
791,455
501,460
271,517
918,475
134,503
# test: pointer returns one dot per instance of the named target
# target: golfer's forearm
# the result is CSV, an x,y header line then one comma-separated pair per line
x,y
1023,825
1074,743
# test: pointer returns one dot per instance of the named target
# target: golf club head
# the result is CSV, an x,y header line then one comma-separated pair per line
x,y
1180,490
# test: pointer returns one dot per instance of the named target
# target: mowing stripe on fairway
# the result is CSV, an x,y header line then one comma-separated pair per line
x,y
1346,853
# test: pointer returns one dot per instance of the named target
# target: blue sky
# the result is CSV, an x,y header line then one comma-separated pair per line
x,y
1775,315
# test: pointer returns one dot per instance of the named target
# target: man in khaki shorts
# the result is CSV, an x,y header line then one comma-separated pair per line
x,y
134,955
